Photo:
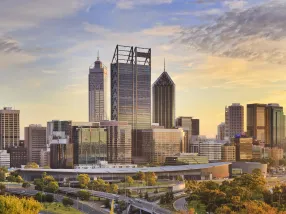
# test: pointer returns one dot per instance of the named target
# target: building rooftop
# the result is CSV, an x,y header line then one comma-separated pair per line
x,y
131,170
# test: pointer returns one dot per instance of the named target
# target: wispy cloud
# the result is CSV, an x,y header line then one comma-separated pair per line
x,y
257,33
129,4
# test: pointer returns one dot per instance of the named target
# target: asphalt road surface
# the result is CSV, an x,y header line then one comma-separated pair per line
x,y
180,204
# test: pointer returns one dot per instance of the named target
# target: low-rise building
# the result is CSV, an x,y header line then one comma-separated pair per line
x,y
228,153
257,152
4,158
18,156
185,159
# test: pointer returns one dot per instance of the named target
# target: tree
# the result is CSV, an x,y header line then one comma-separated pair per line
x,y
41,197
99,185
15,205
52,187
150,178
46,167
258,207
26,185
83,195
2,176
2,189
179,178
83,180
47,179
49,198
113,188
19,179
67,201
39,184
31,165
129,180
140,176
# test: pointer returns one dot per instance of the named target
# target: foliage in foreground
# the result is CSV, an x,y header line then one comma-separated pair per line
x,y
14,205
245,194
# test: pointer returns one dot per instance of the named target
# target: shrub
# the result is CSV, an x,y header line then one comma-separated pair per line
x,y
67,201
83,195
49,198
41,197
26,185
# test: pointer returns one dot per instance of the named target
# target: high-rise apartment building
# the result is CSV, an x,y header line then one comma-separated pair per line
x,y
163,105
195,127
274,125
234,120
131,87
256,121
35,141
18,156
221,132
119,141
97,87
9,127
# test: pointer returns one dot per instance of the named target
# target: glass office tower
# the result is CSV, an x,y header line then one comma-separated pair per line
x,y
163,105
131,87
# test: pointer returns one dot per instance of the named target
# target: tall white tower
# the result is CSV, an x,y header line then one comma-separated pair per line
x,y
97,87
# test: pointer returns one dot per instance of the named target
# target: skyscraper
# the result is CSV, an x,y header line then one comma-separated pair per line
x,y
35,141
221,131
163,91
131,86
234,120
274,125
256,121
195,127
97,87
9,127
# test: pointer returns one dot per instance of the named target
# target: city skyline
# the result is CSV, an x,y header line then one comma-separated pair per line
x,y
54,66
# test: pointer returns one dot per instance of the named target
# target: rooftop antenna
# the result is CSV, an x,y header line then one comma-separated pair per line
x,y
164,65
97,55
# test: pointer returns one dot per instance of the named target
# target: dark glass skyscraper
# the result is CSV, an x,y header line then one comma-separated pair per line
x,y
163,91
131,87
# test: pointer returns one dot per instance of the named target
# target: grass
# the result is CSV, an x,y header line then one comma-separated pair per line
x,y
59,208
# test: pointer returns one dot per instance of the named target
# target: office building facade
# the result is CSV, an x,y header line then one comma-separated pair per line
x,y
158,143
210,149
35,141
234,120
163,105
275,129
18,156
228,153
256,121
186,124
195,127
9,127
119,141
243,148
89,144
4,159
97,88
221,132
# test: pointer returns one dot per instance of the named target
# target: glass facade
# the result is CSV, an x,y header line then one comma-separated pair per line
x,y
90,145
256,121
243,148
164,101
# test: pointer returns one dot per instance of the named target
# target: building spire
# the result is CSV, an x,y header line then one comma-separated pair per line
x,y
164,65
97,55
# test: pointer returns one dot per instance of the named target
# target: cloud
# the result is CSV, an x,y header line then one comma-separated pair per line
x,y
49,71
18,14
200,13
237,4
129,4
257,33
163,30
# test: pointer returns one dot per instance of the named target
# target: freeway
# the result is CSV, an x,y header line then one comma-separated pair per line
x,y
180,204
85,208
137,203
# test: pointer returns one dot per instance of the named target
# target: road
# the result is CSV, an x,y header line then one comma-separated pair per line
x,y
137,203
84,207
180,204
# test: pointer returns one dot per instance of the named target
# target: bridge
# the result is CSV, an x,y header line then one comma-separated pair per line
x,y
146,206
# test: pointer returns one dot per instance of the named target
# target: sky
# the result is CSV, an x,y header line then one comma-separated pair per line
x,y
217,52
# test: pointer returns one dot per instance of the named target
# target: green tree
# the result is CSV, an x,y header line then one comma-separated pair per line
x,y
41,197
150,178
49,198
129,180
83,180
140,176
113,188
26,185
2,189
31,165
47,179
39,184
2,176
19,179
67,201
83,195
146,196
52,186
